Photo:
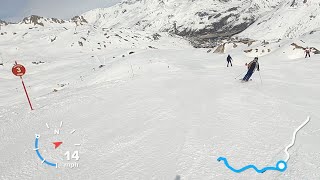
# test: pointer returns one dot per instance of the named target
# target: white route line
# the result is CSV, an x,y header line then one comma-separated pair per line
x,y
294,138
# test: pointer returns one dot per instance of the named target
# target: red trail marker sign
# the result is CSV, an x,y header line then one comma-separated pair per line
x,y
20,70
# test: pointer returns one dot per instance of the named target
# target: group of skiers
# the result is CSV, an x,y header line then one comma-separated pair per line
x,y
254,65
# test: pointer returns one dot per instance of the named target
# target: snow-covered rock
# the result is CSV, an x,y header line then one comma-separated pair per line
x,y
3,23
79,20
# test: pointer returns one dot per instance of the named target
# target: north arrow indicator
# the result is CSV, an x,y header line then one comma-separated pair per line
x,y
57,144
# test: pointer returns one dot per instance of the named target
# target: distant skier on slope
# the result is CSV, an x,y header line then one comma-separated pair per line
x,y
252,66
229,60
307,51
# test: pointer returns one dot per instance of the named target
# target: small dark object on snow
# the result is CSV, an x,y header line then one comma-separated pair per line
x,y
62,85
39,62
156,36
151,47
52,40
131,52
101,66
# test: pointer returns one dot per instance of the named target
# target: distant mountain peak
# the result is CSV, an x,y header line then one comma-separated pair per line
x,y
3,23
38,20
42,21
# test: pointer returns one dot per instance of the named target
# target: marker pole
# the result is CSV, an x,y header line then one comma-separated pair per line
x,y
25,90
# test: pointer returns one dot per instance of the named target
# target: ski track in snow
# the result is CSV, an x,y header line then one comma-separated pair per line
x,y
294,138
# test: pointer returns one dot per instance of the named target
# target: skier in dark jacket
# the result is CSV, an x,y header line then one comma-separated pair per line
x,y
307,51
252,66
229,59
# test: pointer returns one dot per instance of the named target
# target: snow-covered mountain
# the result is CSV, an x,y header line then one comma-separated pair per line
x,y
201,20
184,17
290,20
44,21
37,20
203,23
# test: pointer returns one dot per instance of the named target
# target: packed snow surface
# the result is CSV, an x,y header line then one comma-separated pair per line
x,y
164,112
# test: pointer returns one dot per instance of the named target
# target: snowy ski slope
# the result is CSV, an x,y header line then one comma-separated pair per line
x,y
137,102
157,113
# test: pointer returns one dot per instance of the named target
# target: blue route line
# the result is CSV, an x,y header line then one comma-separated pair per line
x,y
281,167
36,144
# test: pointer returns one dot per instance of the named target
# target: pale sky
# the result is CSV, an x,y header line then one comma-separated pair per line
x,y
16,10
